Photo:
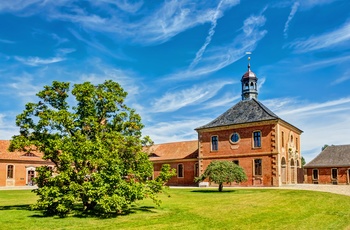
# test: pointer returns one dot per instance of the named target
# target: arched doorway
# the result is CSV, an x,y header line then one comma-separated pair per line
x,y
283,170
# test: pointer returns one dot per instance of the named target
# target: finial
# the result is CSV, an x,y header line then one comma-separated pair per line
x,y
248,59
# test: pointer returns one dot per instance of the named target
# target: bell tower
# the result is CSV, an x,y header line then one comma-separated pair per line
x,y
249,84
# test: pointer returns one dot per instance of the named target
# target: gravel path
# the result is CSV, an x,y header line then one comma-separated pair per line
x,y
338,189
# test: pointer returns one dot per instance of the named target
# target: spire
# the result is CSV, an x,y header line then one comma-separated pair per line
x,y
249,84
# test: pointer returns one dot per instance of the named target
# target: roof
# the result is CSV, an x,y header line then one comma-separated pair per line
x,y
173,150
245,111
249,74
332,156
5,154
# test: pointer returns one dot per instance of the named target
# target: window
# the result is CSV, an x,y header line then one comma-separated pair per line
x,y
180,170
257,167
282,139
283,162
257,139
9,171
315,174
234,138
196,170
291,138
236,162
334,174
214,143
29,155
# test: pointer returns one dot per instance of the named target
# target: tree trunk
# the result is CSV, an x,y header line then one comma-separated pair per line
x,y
220,187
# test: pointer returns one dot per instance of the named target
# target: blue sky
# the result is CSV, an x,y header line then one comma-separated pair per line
x,y
181,61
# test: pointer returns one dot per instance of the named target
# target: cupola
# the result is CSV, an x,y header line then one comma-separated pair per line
x,y
249,85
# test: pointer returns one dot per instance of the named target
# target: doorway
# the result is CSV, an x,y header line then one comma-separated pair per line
x,y
30,177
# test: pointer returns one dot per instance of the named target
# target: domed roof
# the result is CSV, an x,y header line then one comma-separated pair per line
x,y
249,74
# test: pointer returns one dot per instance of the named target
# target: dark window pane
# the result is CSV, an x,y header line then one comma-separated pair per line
x,y
315,174
214,143
180,170
257,139
258,167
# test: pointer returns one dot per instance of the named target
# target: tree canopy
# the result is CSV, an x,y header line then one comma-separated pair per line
x,y
221,172
95,145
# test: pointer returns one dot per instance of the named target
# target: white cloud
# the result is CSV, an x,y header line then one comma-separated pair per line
x,y
290,17
172,101
333,38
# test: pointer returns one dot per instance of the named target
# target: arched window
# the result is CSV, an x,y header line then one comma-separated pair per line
x,y
292,163
252,85
283,162
246,86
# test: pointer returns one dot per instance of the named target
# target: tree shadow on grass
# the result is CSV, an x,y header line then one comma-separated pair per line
x,y
213,191
78,213
15,207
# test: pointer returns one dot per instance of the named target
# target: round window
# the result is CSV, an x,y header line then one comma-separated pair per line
x,y
234,138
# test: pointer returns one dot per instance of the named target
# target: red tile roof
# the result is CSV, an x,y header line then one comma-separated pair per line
x,y
5,154
173,151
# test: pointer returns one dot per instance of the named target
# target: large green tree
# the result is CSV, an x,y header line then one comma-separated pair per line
x,y
221,172
96,147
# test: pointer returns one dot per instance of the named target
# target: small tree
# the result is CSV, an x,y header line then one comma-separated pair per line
x,y
96,147
223,172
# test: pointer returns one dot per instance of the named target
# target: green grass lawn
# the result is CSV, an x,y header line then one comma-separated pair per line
x,y
197,209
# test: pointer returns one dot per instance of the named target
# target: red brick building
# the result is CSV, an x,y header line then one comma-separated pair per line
x,y
249,134
18,168
331,166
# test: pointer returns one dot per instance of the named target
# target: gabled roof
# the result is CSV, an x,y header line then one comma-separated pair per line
x,y
5,154
245,111
332,156
173,151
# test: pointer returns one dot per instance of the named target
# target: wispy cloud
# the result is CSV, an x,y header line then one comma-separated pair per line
x,y
23,86
174,17
326,62
217,58
327,40
209,37
7,41
322,123
172,101
341,79
177,130
36,61
7,126
290,17
308,4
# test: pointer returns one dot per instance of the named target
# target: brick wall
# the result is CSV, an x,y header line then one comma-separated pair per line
x,y
188,175
325,176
